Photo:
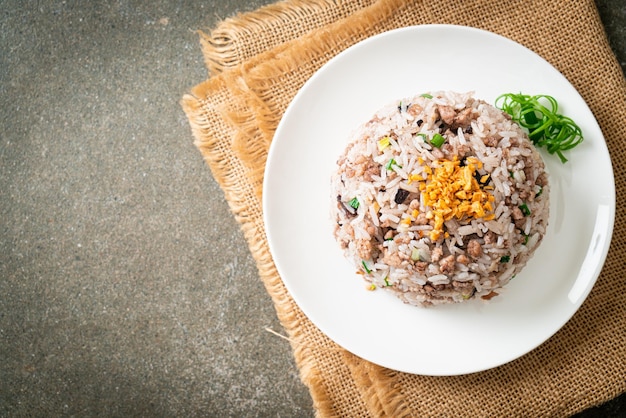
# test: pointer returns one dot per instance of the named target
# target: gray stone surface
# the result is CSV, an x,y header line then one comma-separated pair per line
x,y
126,287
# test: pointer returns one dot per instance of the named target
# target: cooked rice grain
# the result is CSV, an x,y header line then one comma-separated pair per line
x,y
440,222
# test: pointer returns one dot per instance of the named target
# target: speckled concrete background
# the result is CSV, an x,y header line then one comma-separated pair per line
x,y
126,287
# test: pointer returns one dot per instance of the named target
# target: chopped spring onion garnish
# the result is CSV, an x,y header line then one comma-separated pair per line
x,y
546,127
391,163
505,258
387,282
426,95
437,140
354,203
526,237
367,270
524,209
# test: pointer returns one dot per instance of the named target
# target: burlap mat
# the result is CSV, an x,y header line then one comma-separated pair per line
x,y
259,60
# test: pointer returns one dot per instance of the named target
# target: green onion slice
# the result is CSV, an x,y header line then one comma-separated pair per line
x,y
354,203
367,270
391,163
525,210
437,140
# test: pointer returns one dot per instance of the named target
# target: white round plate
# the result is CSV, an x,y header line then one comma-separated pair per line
x,y
375,325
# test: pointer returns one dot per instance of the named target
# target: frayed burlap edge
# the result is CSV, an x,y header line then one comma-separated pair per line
x,y
237,39
204,107
365,375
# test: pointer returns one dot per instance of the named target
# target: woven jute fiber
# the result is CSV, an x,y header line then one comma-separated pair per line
x,y
259,60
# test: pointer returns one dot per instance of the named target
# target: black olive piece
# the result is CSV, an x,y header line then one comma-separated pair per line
x,y
419,122
478,176
401,196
